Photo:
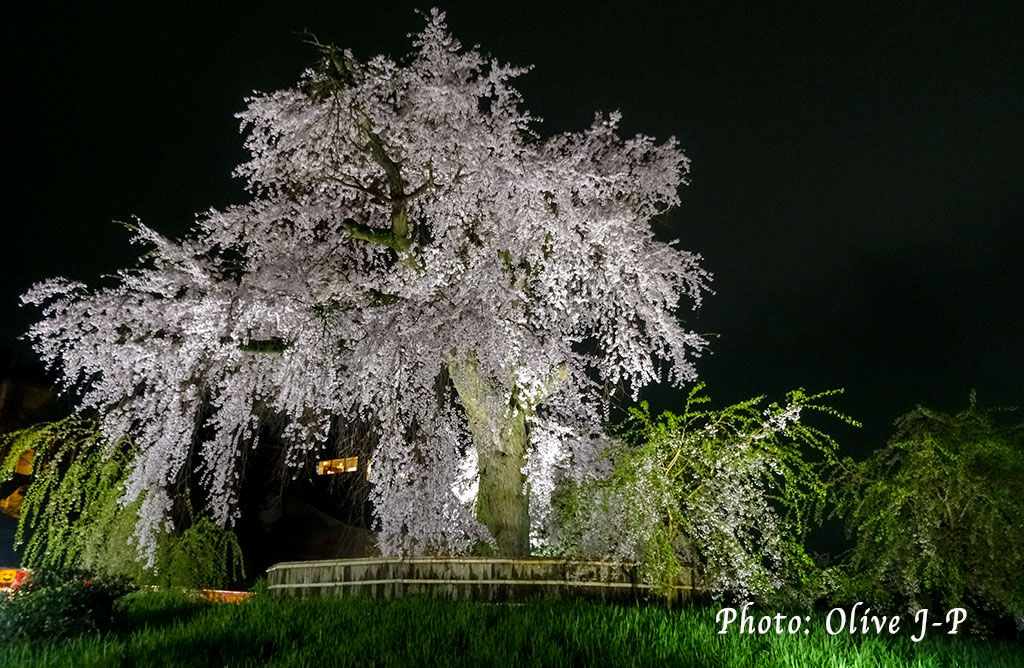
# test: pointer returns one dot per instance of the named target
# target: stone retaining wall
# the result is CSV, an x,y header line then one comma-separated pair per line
x,y
482,579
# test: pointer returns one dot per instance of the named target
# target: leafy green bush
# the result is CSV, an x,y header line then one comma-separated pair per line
x,y
72,502
731,491
204,555
72,516
261,587
60,603
938,516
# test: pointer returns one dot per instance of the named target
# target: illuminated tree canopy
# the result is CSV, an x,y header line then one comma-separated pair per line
x,y
413,254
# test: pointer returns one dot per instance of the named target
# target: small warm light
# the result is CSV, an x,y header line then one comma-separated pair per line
x,y
223,596
12,503
24,463
13,578
342,465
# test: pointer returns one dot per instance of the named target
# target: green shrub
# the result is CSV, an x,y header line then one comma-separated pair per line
x,y
938,516
731,491
261,587
60,603
204,555
72,515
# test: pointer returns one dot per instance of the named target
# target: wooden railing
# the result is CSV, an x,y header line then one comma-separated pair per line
x,y
482,579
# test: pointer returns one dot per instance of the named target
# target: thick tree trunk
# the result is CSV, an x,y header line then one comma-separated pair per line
x,y
501,503
501,439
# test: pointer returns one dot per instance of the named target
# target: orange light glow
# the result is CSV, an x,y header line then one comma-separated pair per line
x,y
343,465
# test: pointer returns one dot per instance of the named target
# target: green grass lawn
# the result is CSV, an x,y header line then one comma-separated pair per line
x,y
166,629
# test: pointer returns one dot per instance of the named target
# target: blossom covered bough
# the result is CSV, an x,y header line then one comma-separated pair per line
x,y
414,255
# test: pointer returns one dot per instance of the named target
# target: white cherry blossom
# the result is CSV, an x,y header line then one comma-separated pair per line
x,y
414,254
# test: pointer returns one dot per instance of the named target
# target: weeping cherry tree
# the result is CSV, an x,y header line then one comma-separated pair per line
x,y
412,254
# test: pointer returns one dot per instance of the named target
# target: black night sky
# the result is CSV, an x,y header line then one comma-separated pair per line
x,y
856,185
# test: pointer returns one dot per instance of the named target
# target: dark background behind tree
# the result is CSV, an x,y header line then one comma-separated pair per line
x,y
856,183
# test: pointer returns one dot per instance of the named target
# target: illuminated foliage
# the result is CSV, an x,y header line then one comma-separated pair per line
x,y
416,256
729,490
938,515
74,489
72,516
